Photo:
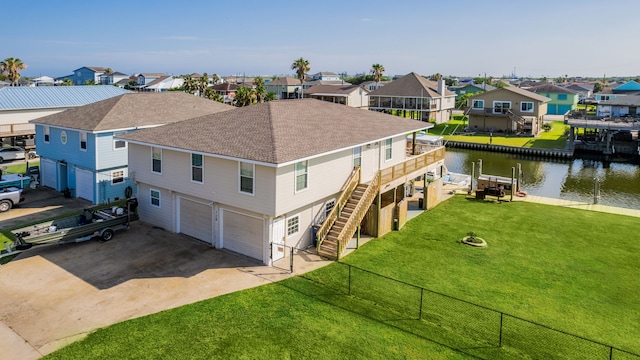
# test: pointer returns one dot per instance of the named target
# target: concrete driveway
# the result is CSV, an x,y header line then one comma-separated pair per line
x,y
51,296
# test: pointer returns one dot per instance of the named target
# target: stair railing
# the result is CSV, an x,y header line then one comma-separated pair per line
x,y
334,214
358,214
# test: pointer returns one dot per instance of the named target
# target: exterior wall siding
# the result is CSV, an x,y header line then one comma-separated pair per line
x,y
162,216
23,116
107,156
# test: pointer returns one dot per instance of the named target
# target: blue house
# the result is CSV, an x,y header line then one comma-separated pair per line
x,y
84,74
77,147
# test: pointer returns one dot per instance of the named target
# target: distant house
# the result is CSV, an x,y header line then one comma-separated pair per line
x,y
84,75
613,92
373,85
584,90
44,81
326,76
285,87
19,104
227,90
507,110
619,107
164,83
253,180
415,96
77,147
563,100
470,89
350,95
112,78
144,79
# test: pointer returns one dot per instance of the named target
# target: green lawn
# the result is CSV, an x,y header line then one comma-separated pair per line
x,y
569,269
552,139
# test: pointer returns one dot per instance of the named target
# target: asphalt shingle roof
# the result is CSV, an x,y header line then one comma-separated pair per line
x,y
627,100
516,90
411,84
332,89
550,88
134,110
23,97
278,132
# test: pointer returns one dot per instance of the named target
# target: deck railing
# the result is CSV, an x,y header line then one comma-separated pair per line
x,y
407,167
333,215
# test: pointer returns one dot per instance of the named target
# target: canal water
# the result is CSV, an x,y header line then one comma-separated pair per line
x,y
569,179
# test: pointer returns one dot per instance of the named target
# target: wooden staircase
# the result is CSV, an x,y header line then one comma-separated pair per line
x,y
517,118
329,246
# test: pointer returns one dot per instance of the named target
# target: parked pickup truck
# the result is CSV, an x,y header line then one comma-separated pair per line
x,y
9,197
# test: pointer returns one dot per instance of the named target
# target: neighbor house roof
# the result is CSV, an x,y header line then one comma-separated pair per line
x,y
516,90
627,100
333,89
278,132
20,97
413,85
96,68
628,86
284,81
550,88
225,87
134,110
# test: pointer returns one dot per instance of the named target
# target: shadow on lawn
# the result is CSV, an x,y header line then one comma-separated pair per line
x,y
426,330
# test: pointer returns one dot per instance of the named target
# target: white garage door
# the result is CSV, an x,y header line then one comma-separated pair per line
x,y
196,220
242,234
48,173
84,184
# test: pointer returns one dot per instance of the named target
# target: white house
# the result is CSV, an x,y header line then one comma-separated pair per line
x,y
269,174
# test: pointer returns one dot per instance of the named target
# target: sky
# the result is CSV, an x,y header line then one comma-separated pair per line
x,y
460,38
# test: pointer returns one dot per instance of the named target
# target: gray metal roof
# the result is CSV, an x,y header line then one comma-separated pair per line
x,y
23,97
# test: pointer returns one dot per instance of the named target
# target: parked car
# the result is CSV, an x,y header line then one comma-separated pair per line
x,y
11,153
9,197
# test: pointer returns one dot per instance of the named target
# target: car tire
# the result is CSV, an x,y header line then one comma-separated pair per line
x,y
5,205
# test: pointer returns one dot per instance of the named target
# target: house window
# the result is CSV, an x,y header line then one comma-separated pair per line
x,y
117,176
83,141
357,156
119,144
156,156
501,107
46,134
155,198
293,225
387,149
526,106
562,96
246,177
478,104
302,180
329,206
196,167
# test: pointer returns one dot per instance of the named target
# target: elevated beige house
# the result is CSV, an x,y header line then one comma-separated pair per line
x,y
416,97
284,87
507,110
281,174
350,95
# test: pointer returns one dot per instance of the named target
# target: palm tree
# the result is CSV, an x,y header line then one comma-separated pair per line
x,y
203,84
190,85
270,96
244,96
67,82
301,66
108,72
436,77
216,79
377,70
12,66
259,89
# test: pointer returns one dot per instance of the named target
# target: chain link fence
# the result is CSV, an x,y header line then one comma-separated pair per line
x,y
491,327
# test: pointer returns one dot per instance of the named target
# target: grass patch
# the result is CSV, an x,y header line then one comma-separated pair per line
x,y
553,139
543,263
20,168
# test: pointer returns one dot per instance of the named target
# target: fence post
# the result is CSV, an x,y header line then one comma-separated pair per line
x,y
421,297
349,280
610,352
291,263
500,342
271,252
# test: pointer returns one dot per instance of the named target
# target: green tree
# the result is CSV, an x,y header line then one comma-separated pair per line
x,y
461,101
259,90
190,84
211,94
435,77
108,72
215,78
202,84
271,96
90,82
377,70
67,82
301,66
598,87
12,66
244,96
